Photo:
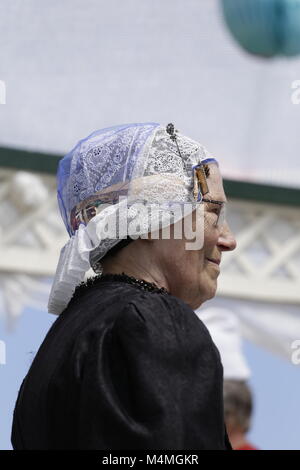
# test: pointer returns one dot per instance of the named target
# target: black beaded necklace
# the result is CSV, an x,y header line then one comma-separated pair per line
x,y
140,283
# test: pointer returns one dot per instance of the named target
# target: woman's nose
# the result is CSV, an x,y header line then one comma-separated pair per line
x,y
226,241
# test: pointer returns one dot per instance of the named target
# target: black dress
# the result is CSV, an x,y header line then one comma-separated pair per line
x,y
123,368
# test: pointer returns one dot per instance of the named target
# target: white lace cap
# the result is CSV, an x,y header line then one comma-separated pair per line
x,y
150,169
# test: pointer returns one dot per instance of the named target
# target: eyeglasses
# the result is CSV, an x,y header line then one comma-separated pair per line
x,y
221,212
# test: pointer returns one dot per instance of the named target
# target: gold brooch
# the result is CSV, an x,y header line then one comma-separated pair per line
x,y
200,183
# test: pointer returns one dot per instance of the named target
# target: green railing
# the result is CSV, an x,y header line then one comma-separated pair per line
x,y
47,163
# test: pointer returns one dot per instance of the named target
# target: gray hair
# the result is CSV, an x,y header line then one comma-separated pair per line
x,y
238,403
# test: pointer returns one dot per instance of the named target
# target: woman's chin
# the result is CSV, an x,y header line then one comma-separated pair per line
x,y
211,292
207,295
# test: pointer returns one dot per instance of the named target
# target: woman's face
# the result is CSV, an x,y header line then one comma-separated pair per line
x,y
192,274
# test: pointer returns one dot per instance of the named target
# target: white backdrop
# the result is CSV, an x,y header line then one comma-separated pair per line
x,y
72,66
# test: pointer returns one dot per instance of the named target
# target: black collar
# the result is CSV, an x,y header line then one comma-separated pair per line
x,y
140,283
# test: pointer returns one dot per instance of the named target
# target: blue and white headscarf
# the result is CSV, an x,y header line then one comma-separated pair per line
x,y
110,171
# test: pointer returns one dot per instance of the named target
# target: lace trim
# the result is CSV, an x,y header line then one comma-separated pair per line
x,y
139,283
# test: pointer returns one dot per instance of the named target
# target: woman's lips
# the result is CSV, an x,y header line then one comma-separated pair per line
x,y
216,261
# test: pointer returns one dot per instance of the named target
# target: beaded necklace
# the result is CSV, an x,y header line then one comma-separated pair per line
x,y
140,283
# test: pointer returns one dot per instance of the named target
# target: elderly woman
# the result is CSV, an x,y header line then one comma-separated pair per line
x,y
128,364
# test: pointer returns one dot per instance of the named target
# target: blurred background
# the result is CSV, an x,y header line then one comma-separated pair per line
x,y
227,73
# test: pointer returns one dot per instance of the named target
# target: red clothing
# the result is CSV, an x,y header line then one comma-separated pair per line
x,y
247,446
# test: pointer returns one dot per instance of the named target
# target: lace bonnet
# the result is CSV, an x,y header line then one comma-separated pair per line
x,y
105,176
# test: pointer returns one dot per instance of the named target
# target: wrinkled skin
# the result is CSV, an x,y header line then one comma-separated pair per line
x,y
190,275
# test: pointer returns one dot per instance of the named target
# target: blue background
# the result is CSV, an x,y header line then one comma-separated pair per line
x,y
275,384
